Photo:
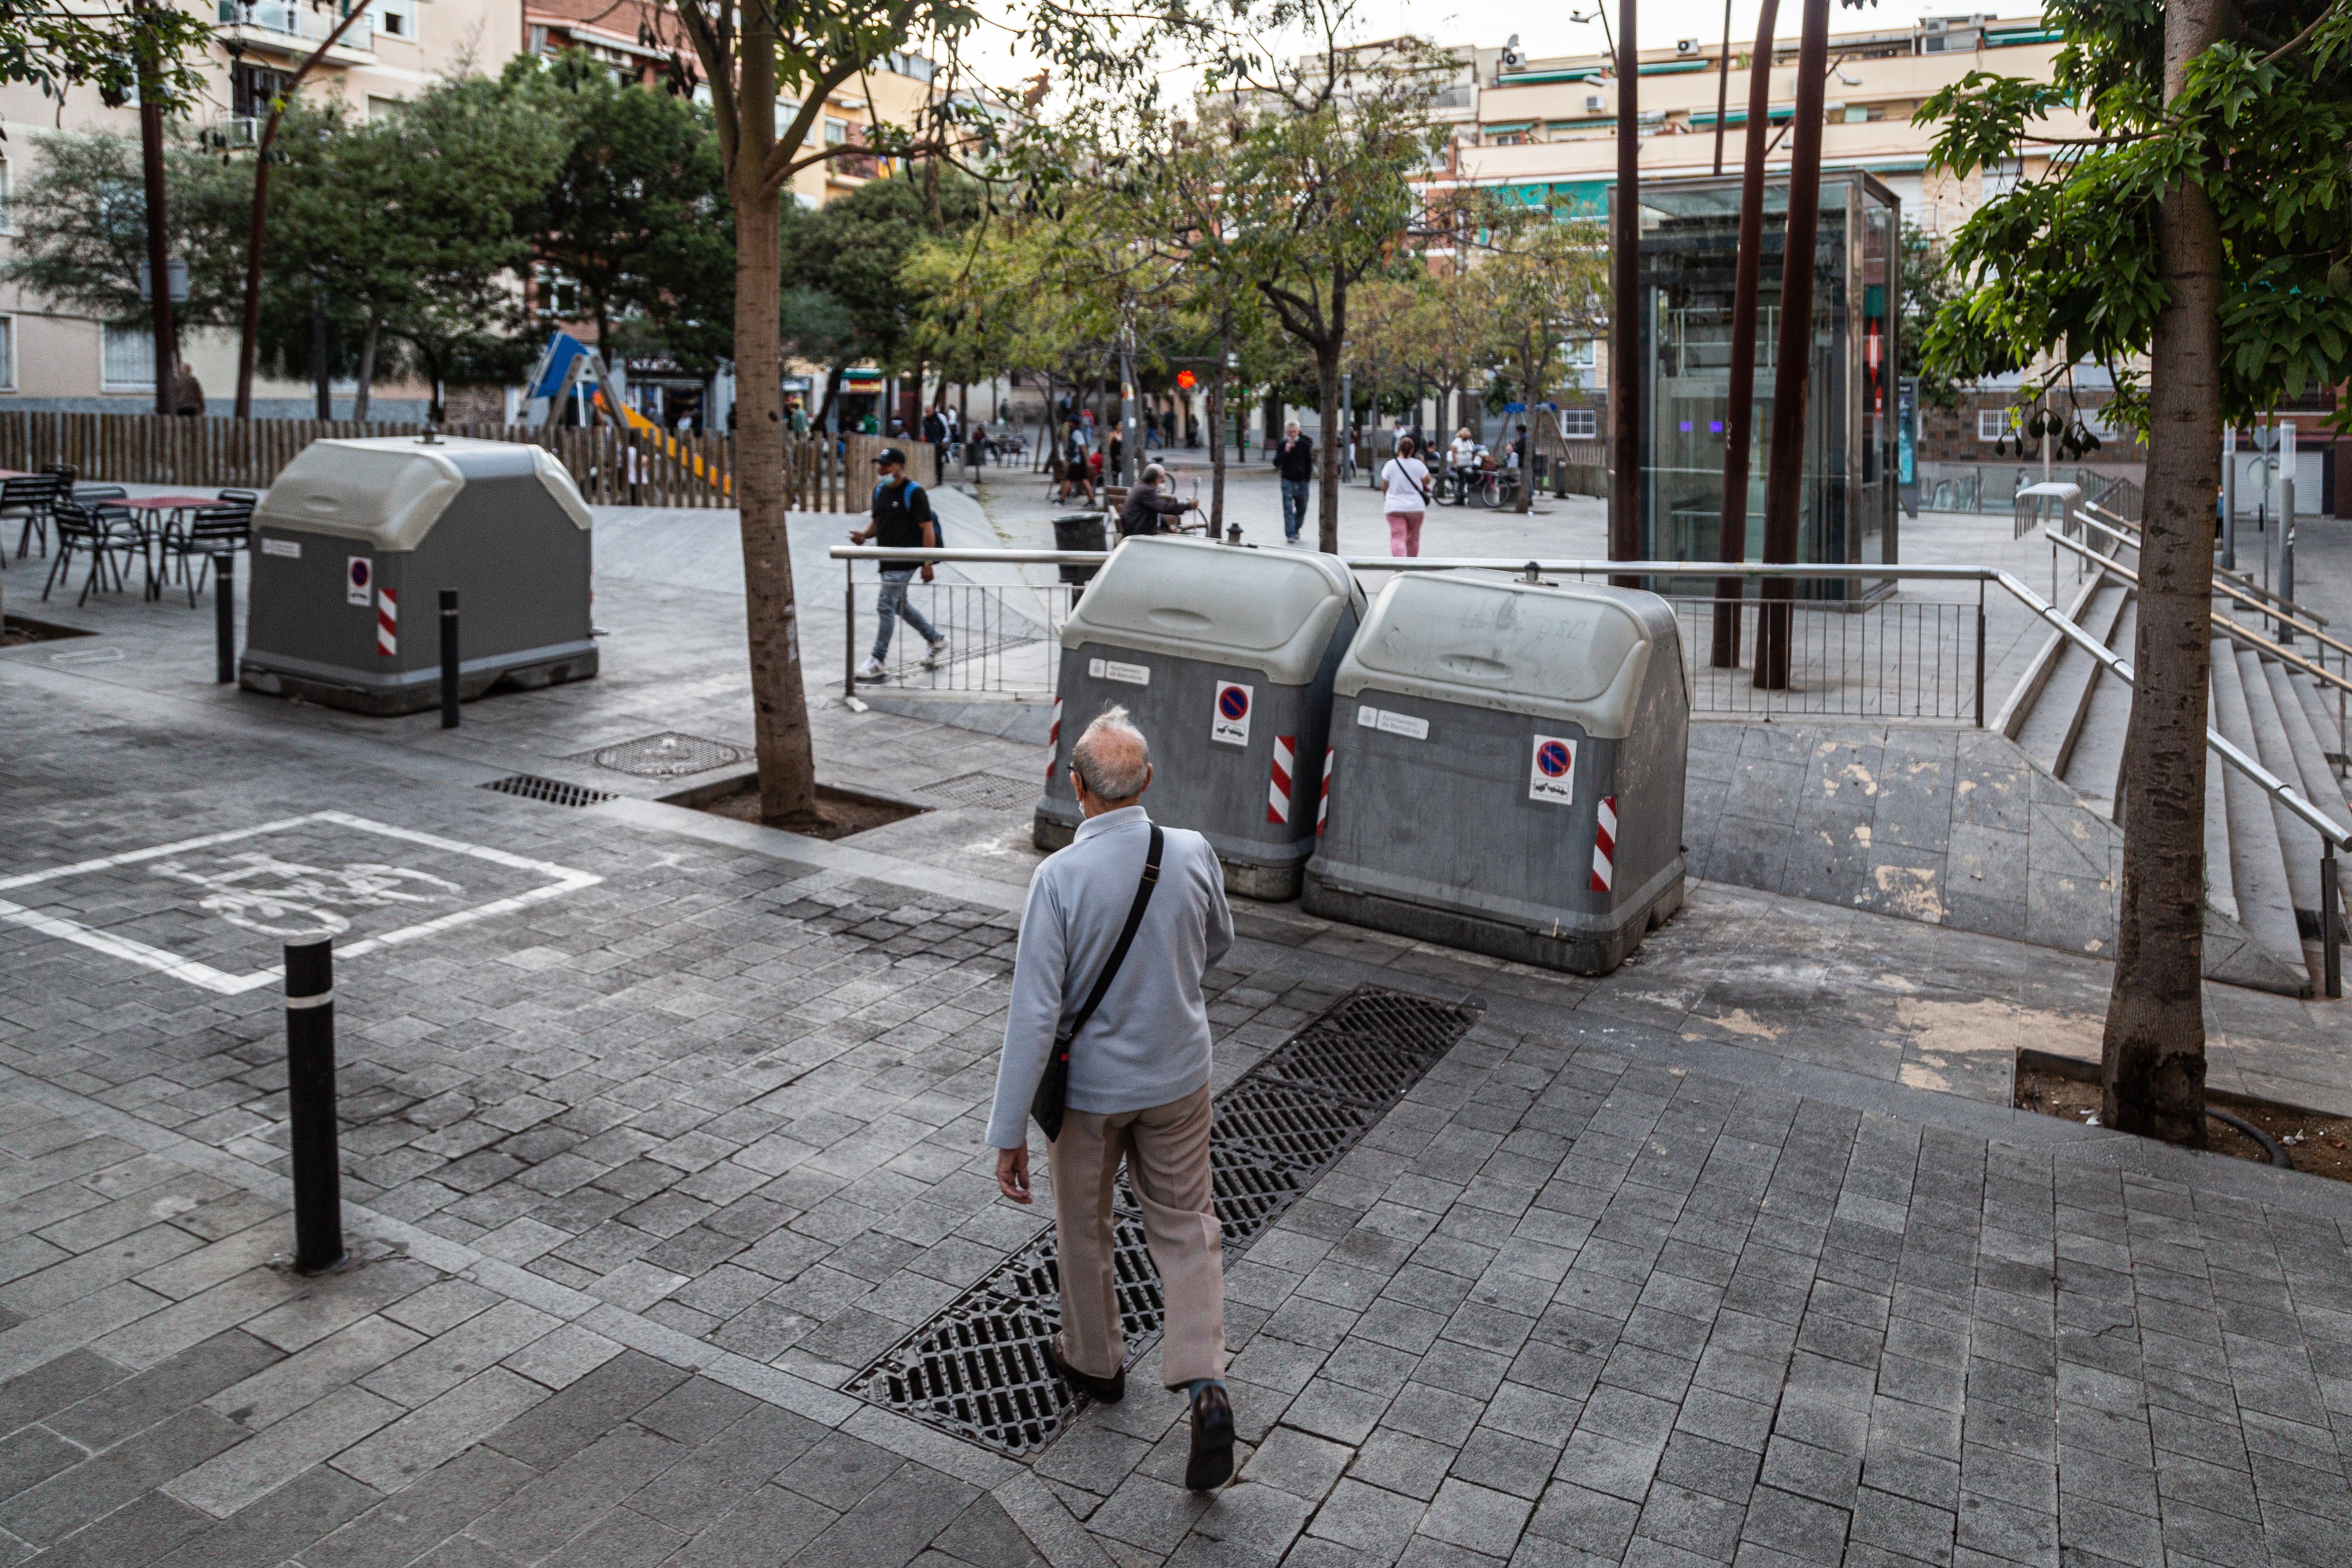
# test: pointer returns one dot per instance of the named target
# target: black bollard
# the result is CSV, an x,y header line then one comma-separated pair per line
x,y
224,616
448,658
311,1104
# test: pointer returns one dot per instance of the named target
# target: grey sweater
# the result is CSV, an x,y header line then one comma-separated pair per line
x,y
1149,1042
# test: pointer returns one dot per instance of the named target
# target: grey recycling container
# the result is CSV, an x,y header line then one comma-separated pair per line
x,y
1224,656
1507,770
354,542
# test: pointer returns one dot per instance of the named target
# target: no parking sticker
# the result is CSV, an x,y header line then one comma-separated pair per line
x,y
359,582
1552,774
1229,724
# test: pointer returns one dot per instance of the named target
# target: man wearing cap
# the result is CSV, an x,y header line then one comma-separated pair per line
x,y
901,517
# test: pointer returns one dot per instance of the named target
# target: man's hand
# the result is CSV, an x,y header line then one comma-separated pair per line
x,y
927,571
1012,1172
861,536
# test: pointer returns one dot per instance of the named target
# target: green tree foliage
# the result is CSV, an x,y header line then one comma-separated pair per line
x,y
53,46
637,214
856,251
409,224
1927,286
2066,264
81,228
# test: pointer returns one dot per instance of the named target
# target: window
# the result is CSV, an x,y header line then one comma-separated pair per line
x,y
837,131
1995,423
1578,353
1999,179
252,89
1580,424
395,18
7,214
383,109
7,354
539,40
127,355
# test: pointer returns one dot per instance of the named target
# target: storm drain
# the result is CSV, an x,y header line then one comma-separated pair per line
x,y
554,791
668,755
978,1369
992,790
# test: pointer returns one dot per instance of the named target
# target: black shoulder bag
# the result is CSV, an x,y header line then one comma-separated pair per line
x,y
1053,1096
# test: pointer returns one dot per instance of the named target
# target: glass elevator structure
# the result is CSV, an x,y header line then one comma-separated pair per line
x,y
1689,251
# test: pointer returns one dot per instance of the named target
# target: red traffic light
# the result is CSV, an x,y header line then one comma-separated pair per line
x,y
1184,378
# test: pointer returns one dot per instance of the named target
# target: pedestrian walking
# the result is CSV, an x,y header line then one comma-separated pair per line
x,y
901,517
187,393
1147,510
1294,461
1406,479
1077,472
1107,1042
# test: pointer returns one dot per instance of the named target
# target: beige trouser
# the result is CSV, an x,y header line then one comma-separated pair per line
x,y
1167,1152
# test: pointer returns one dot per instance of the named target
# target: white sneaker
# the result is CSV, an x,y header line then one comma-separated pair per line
x,y
870,670
938,651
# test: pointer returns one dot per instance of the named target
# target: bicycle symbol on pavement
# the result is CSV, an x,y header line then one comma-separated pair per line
x,y
266,891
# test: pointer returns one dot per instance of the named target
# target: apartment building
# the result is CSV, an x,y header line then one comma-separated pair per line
x,y
53,359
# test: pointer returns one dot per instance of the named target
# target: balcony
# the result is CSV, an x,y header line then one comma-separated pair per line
x,y
294,28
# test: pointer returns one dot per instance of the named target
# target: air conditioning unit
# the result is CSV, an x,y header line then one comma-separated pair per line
x,y
1686,46
1594,103
1932,24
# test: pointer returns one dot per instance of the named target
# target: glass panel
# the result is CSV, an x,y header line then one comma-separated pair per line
x,y
1689,255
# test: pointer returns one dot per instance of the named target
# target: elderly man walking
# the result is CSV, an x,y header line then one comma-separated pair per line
x,y
1119,929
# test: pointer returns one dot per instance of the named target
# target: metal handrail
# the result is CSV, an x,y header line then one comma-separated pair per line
x,y
2307,629
2222,623
2330,834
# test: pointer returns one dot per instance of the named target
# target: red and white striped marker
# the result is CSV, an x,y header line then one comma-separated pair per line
x,y
1054,742
1323,801
387,623
1604,846
1277,790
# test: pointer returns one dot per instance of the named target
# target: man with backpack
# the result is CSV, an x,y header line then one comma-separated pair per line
x,y
902,519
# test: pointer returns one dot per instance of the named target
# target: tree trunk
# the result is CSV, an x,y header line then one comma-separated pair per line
x,y
1739,412
1217,427
1528,396
367,371
1624,308
1784,481
1327,454
158,250
2152,1065
779,698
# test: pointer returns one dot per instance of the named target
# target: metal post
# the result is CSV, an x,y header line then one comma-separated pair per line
x,y
2286,627
849,628
1981,651
2230,498
224,617
448,658
311,1104
2331,924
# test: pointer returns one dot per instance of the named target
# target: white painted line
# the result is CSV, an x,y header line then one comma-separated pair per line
x,y
563,879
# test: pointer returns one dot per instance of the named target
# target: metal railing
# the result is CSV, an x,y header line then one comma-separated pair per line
x,y
2331,838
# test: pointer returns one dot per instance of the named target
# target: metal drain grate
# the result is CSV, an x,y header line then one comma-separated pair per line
x,y
668,755
554,791
992,790
978,1369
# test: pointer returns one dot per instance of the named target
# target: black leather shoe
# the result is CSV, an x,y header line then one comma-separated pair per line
x,y
1108,1390
1212,1464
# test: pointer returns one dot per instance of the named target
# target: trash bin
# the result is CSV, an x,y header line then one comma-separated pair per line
x,y
1224,656
1078,531
356,539
1508,769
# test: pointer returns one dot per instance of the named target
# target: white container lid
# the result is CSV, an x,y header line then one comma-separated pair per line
x,y
1270,610
1578,652
391,490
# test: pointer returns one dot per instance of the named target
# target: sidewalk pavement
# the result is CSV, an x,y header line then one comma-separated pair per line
x,y
657,1128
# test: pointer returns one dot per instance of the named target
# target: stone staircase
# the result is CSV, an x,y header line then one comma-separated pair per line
x,y
2262,893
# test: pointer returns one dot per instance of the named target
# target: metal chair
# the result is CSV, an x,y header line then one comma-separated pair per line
x,y
208,532
102,532
248,500
33,495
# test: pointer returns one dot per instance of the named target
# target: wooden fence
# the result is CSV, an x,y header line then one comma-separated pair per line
x,y
612,468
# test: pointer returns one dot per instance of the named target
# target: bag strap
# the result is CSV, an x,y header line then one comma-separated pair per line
x,y
1125,936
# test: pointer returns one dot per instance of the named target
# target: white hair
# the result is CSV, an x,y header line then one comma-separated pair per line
x,y
1112,756
1153,473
